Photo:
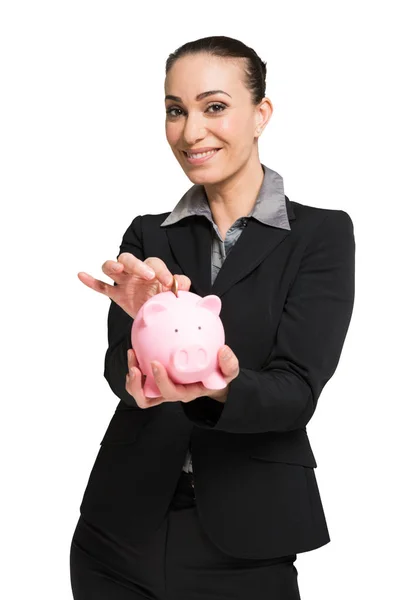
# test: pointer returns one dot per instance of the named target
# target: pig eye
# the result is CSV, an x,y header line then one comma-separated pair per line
x,y
199,327
175,330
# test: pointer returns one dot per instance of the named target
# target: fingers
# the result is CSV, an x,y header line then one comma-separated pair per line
x,y
134,387
117,270
132,359
184,282
228,362
130,264
172,392
155,264
162,273
167,388
152,267
134,384
96,284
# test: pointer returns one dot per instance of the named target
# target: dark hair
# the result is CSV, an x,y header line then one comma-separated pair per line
x,y
255,69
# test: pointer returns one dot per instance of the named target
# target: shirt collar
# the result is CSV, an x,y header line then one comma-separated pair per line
x,y
270,206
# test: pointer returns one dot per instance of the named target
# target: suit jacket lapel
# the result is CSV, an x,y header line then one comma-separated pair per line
x,y
190,242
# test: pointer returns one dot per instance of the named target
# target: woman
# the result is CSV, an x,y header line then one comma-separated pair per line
x,y
203,493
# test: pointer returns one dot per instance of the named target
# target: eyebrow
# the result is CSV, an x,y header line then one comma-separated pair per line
x,y
199,96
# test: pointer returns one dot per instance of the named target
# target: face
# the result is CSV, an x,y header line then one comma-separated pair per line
x,y
224,121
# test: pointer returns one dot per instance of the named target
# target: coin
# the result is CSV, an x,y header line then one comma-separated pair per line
x,y
175,286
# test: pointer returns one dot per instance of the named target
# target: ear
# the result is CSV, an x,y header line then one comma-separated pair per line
x,y
211,303
150,310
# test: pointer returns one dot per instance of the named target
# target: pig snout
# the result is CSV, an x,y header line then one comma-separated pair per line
x,y
190,359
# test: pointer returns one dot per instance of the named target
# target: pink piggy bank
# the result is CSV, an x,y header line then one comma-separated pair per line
x,y
183,333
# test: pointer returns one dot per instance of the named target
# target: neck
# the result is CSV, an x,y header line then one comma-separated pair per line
x,y
235,197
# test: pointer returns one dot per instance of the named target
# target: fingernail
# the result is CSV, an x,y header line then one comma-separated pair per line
x,y
155,368
226,354
132,373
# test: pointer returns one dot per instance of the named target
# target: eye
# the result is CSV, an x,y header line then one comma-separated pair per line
x,y
176,330
222,106
169,111
199,327
214,104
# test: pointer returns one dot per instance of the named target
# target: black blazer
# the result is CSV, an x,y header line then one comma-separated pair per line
x,y
287,300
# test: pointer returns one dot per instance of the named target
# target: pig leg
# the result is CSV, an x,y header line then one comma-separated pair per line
x,y
214,381
150,388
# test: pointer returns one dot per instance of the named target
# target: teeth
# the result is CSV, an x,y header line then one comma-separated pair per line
x,y
201,154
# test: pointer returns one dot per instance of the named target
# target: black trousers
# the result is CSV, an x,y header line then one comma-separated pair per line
x,y
179,562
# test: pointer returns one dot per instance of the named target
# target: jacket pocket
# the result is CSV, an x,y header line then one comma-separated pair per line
x,y
125,426
292,447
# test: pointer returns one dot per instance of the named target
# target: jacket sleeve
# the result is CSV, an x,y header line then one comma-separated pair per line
x,y
283,395
119,325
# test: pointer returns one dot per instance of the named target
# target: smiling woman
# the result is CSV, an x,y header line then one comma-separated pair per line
x,y
213,494
198,120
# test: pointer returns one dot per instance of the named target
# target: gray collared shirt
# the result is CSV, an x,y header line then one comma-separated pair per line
x,y
269,208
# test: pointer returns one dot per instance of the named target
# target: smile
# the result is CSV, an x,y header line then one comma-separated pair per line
x,y
196,159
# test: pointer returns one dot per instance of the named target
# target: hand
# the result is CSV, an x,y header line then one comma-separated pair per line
x,y
174,392
137,281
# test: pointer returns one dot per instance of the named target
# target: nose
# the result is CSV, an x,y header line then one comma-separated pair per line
x,y
190,359
194,131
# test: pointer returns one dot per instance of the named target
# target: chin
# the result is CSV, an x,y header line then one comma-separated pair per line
x,y
203,178
203,175
198,174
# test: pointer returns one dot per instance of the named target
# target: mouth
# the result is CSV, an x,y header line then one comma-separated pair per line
x,y
202,157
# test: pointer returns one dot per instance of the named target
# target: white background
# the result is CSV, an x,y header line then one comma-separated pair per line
x,y
82,143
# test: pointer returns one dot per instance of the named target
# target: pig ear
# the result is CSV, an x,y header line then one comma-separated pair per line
x,y
211,303
150,310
